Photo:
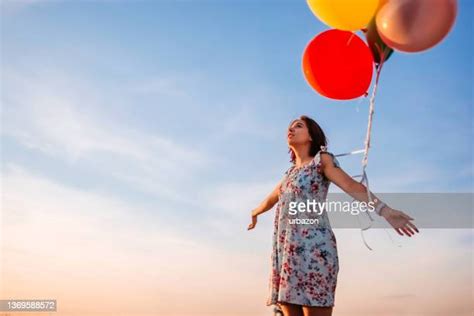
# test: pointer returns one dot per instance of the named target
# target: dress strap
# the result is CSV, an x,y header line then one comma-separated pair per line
x,y
318,154
324,149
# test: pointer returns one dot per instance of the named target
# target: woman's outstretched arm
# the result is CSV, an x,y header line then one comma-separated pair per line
x,y
266,205
397,219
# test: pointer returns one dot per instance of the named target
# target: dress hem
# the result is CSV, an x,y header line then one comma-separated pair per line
x,y
290,302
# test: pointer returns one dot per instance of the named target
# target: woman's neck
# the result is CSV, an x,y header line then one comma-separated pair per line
x,y
302,156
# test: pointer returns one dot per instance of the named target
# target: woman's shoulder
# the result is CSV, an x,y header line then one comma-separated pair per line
x,y
328,157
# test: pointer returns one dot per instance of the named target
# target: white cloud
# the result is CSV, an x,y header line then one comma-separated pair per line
x,y
228,113
85,246
60,117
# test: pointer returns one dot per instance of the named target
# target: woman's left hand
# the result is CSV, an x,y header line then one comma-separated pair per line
x,y
399,221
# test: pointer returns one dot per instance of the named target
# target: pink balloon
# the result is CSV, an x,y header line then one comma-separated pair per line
x,y
415,25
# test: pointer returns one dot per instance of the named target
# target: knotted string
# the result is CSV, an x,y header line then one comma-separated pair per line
x,y
364,178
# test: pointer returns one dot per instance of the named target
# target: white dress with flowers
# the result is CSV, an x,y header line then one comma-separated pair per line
x,y
304,261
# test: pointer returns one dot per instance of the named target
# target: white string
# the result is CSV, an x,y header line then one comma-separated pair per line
x,y
365,151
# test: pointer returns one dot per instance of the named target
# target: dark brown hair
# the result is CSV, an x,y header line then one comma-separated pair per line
x,y
317,135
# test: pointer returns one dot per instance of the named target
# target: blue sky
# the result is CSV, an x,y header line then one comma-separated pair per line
x,y
235,67
178,109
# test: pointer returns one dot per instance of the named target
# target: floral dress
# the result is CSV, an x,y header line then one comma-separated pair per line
x,y
304,259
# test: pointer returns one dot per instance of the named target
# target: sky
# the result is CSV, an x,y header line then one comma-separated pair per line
x,y
137,136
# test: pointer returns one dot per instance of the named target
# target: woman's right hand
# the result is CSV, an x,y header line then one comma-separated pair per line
x,y
266,205
254,222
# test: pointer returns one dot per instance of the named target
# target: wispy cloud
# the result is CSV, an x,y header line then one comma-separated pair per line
x,y
90,243
226,114
60,117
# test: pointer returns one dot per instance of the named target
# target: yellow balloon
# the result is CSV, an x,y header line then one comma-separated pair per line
x,y
349,15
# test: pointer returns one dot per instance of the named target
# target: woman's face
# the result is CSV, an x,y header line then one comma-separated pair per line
x,y
298,133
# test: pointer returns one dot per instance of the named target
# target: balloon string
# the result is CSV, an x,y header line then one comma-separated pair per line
x,y
365,159
364,177
350,38
367,138
379,69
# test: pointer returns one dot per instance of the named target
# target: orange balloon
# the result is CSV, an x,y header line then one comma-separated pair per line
x,y
415,25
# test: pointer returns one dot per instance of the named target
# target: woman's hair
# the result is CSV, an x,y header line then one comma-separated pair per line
x,y
317,135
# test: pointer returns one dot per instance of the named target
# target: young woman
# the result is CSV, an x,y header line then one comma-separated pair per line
x,y
305,261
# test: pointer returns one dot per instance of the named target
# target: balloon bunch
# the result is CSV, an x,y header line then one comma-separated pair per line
x,y
339,65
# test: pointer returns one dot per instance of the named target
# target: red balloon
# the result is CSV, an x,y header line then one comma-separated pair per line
x,y
338,65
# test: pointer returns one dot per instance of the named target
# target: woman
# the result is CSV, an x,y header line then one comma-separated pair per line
x,y
305,262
